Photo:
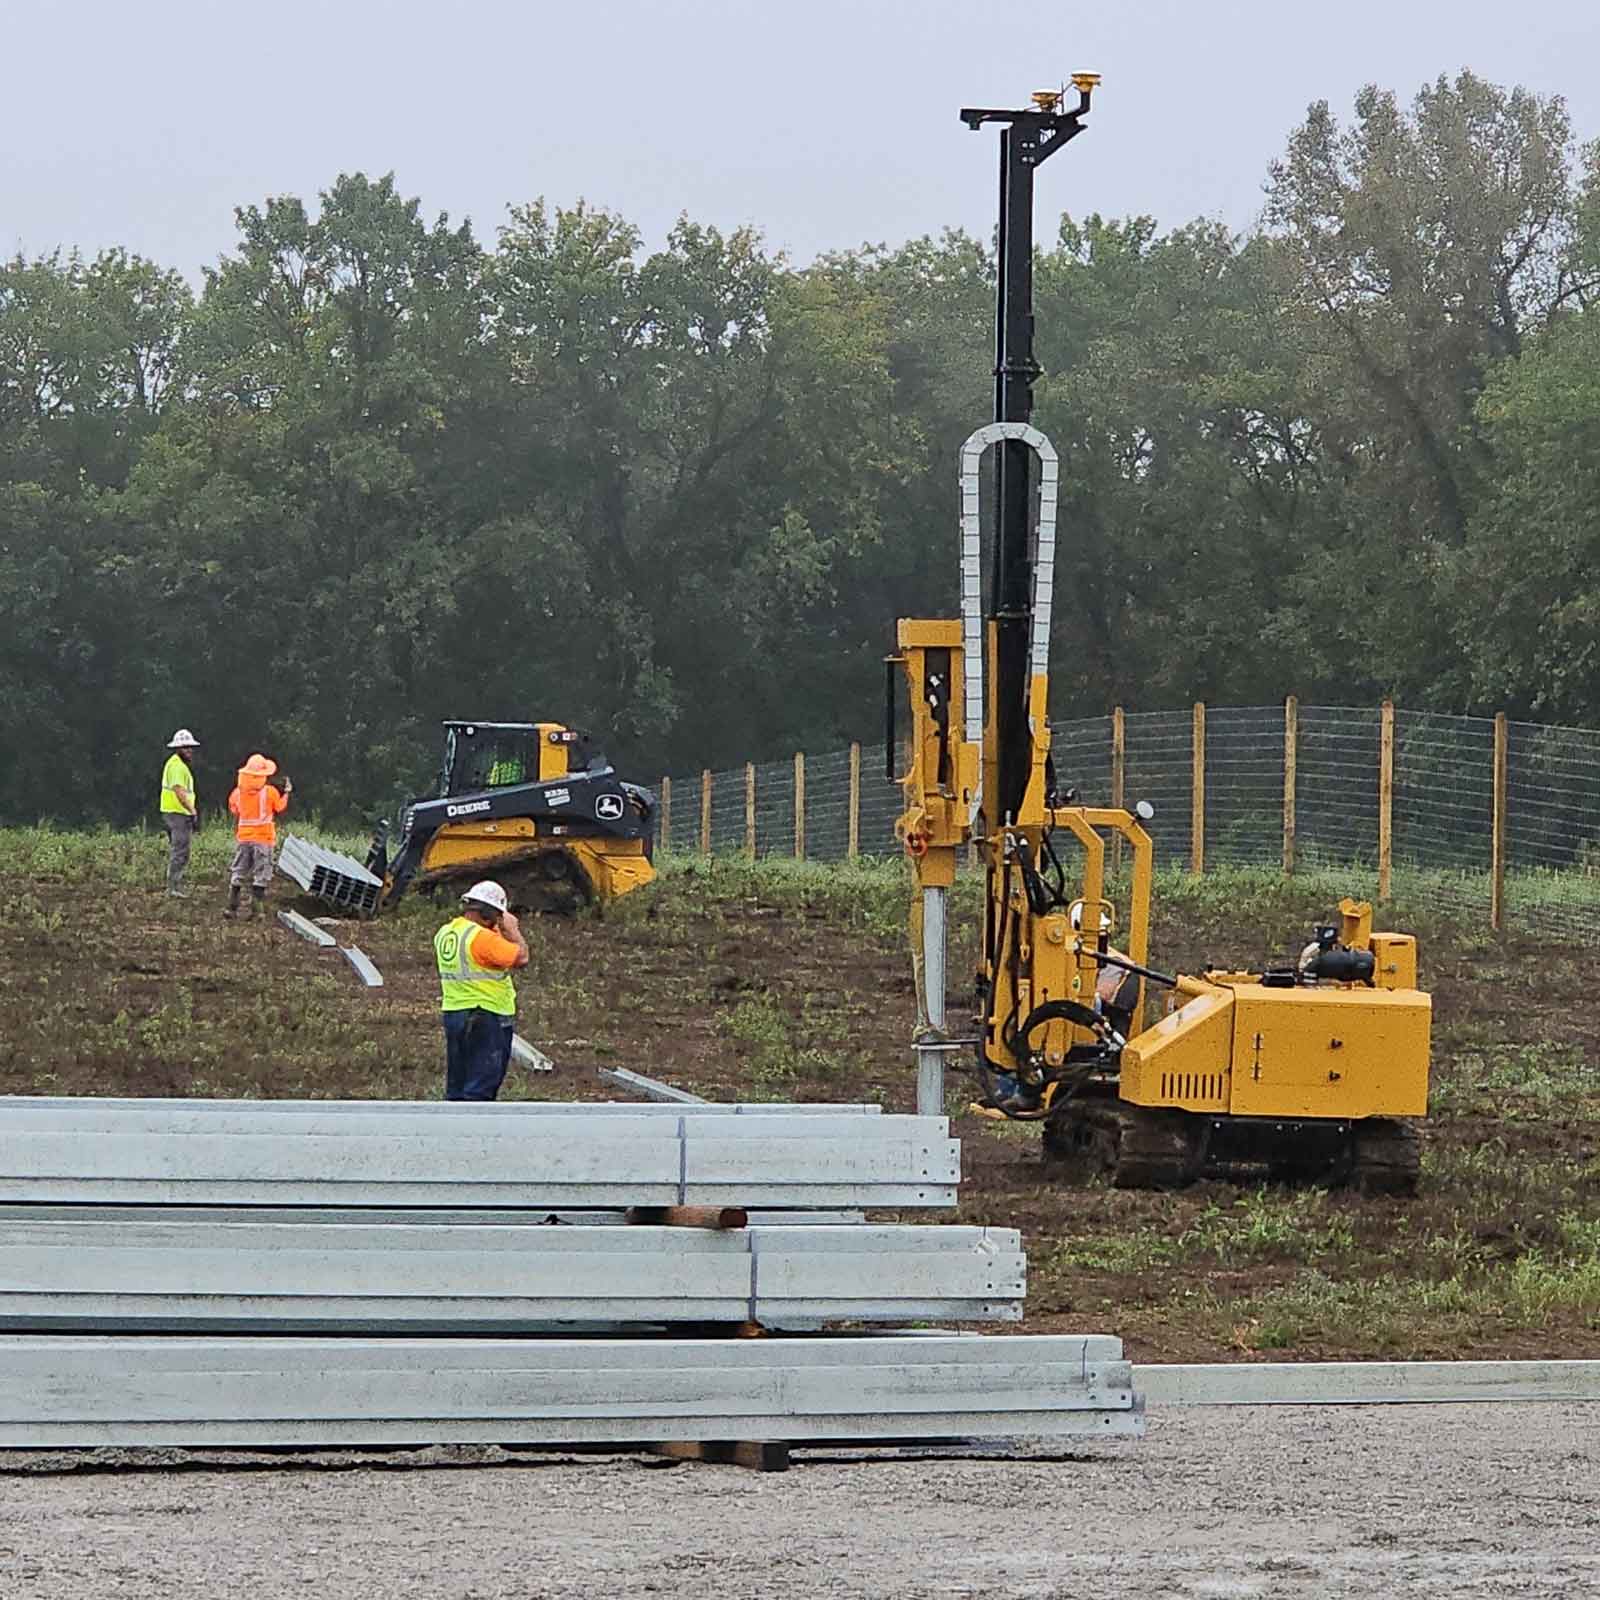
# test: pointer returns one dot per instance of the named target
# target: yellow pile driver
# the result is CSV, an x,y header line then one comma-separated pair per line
x,y
1309,1068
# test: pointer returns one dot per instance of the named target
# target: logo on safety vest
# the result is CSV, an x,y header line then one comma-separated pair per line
x,y
608,807
467,809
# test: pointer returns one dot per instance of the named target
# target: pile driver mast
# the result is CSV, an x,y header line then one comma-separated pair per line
x,y
978,689
1028,138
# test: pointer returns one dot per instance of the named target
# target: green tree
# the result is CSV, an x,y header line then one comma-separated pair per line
x,y
1524,595
1428,244
714,431
87,353
311,494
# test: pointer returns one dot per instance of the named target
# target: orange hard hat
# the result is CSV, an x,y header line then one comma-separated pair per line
x,y
261,766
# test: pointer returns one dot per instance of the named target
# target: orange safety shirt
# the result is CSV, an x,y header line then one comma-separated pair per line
x,y
491,949
255,803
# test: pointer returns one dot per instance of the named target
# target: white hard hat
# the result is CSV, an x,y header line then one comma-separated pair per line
x,y
488,893
183,740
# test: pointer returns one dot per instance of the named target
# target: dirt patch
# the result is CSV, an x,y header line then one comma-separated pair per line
x,y
754,983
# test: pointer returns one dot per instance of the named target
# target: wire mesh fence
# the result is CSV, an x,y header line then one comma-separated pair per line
x,y
1482,813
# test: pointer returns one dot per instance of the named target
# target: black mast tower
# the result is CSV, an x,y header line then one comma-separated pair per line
x,y
1027,138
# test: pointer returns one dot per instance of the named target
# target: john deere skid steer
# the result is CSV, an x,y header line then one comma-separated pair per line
x,y
531,804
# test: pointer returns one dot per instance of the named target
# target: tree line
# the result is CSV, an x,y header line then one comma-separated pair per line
x,y
373,473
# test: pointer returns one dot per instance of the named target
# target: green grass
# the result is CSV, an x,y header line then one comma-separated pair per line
x,y
1262,1224
1316,1310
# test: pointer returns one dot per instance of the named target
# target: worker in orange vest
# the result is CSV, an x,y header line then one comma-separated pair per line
x,y
254,802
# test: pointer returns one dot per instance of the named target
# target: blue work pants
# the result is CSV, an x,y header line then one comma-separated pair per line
x,y
477,1049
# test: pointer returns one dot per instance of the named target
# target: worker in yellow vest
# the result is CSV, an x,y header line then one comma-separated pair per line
x,y
179,812
477,953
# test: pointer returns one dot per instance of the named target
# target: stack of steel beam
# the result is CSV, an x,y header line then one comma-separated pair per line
x,y
331,876
490,1273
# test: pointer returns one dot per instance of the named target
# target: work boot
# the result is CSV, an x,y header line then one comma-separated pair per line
x,y
258,902
233,901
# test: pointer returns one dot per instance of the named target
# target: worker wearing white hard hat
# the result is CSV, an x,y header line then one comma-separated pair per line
x,y
179,811
477,953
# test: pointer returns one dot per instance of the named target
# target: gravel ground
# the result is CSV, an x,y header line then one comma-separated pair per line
x,y
1440,1500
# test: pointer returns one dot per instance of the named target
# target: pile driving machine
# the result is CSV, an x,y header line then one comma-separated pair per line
x,y
1305,1069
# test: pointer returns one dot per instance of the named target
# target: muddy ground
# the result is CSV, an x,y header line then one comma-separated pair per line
x,y
764,983
1234,1504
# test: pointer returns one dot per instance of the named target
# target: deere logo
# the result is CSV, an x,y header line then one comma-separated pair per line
x,y
608,807
467,809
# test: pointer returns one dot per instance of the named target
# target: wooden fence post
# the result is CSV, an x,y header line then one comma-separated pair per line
x,y
1385,797
852,847
1119,755
750,810
799,805
1291,743
666,813
1197,792
1497,882
705,811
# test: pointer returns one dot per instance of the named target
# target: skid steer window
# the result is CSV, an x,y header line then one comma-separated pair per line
x,y
491,758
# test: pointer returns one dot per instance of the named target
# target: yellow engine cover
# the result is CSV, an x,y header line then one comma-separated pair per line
x,y
1330,1052
1251,1051
1184,1060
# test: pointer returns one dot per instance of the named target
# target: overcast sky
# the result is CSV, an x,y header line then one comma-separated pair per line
x,y
825,122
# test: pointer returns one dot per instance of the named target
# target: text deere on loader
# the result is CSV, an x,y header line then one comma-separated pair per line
x,y
1308,1068
533,804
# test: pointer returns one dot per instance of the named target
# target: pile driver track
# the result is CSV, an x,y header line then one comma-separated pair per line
x,y
1144,1147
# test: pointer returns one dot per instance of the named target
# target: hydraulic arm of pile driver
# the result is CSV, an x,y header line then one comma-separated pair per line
x,y
980,769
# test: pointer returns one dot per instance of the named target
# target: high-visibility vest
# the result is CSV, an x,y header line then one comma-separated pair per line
x,y
255,809
175,774
464,984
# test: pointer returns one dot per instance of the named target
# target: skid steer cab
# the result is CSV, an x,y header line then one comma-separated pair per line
x,y
533,805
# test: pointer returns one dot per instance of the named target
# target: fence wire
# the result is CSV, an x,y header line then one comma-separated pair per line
x,y
1441,814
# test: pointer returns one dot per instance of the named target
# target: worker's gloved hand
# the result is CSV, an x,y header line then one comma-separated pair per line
x,y
288,785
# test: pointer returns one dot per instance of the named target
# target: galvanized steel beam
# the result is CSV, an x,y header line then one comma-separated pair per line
x,y
85,1104
338,879
527,1055
362,966
219,1275
58,1391
650,1088
400,1156
374,1216
307,929
1368,1383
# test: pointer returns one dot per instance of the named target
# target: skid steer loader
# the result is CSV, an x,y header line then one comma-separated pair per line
x,y
531,804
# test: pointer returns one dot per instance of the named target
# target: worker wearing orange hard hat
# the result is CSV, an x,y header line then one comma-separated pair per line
x,y
254,804
477,953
